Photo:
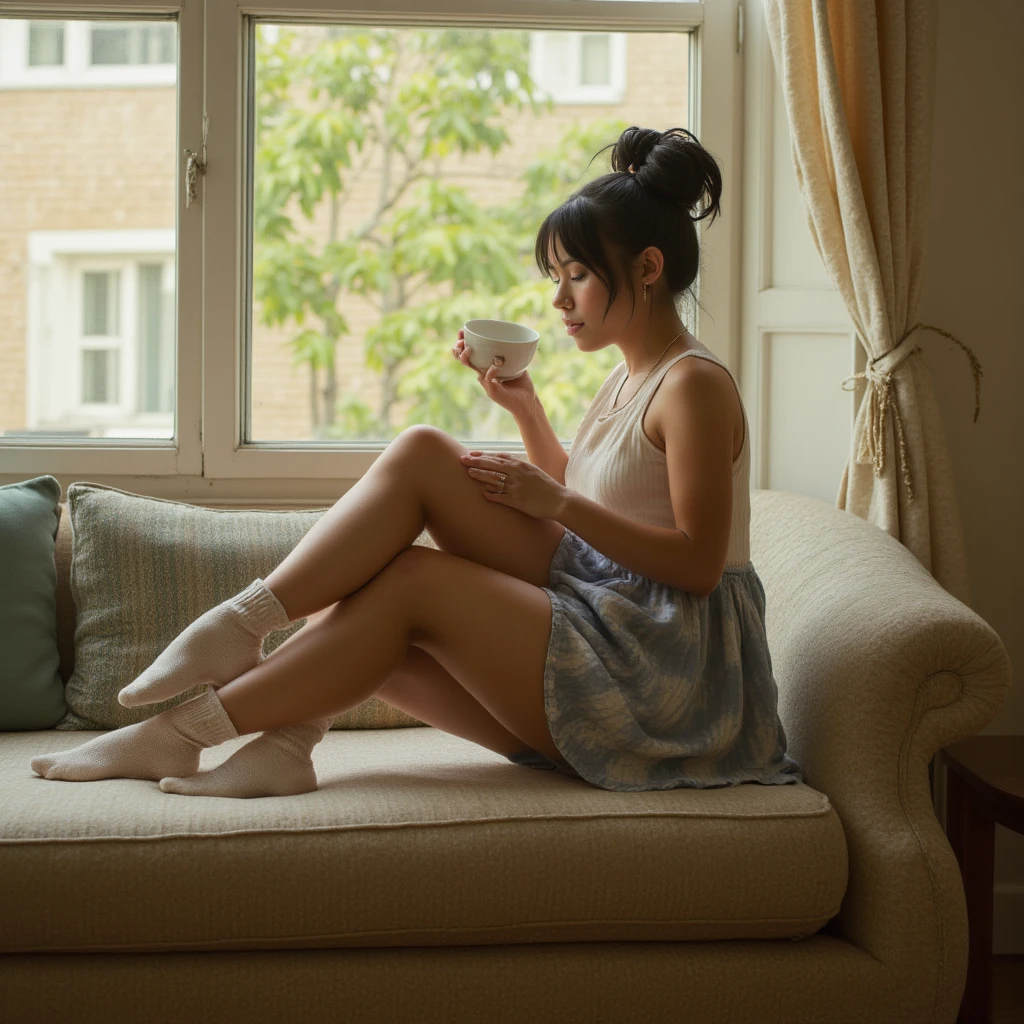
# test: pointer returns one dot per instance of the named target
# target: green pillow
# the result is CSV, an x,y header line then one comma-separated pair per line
x,y
142,569
31,690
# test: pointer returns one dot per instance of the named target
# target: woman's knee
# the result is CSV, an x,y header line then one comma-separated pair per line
x,y
423,438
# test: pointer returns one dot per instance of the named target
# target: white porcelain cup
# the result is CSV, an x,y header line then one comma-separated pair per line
x,y
514,343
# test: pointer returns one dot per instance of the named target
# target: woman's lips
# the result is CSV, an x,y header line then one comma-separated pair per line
x,y
570,327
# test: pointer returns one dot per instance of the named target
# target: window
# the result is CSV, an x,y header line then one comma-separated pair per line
x,y
101,338
580,67
355,292
125,43
131,44
53,54
45,44
287,324
101,335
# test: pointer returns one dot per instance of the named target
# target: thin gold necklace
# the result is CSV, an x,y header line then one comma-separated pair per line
x,y
649,372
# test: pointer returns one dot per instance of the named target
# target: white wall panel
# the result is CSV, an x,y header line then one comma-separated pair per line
x,y
797,343
795,262
808,423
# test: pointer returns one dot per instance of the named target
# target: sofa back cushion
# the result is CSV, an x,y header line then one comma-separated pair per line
x,y
31,691
142,569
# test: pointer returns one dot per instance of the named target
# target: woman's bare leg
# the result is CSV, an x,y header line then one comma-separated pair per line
x,y
422,688
418,482
430,599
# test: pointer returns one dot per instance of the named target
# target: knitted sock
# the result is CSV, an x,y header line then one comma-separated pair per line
x,y
168,743
218,647
276,763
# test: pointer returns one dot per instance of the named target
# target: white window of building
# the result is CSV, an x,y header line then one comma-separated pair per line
x,y
54,54
101,334
579,67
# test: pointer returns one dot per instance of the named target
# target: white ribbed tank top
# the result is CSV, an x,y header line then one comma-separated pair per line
x,y
613,462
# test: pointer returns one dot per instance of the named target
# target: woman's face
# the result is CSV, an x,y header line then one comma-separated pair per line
x,y
581,298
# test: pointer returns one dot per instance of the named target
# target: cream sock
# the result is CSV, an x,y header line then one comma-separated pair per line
x,y
276,763
218,647
168,743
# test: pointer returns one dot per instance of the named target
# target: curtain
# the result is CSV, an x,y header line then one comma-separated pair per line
x,y
858,79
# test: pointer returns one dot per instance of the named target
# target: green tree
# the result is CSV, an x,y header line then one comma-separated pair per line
x,y
389,107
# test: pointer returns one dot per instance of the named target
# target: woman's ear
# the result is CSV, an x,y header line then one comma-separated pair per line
x,y
652,263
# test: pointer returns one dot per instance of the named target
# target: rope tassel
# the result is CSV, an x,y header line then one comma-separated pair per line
x,y
881,385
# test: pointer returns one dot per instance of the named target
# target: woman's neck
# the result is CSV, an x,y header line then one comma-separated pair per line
x,y
664,329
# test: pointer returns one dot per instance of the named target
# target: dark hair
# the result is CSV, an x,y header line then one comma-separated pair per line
x,y
657,179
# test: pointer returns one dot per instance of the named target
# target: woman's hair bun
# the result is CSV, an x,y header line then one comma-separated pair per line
x,y
672,163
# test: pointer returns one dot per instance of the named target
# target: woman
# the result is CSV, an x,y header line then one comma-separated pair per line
x,y
596,614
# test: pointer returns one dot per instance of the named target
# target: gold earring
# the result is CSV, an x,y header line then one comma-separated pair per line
x,y
645,291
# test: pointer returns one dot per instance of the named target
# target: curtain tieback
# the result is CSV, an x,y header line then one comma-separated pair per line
x,y
881,385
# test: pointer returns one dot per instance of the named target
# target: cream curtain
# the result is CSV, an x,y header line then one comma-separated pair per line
x,y
858,78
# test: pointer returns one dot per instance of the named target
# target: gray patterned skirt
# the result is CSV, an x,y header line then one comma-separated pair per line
x,y
649,687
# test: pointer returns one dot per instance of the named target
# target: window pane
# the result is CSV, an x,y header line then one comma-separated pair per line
x,y
99,375
156,342
45,43
595,60
79,221
132,44
101,315
400,176
162,44
108,45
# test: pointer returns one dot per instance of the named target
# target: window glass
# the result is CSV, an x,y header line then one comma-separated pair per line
x,y
399,179
132,44
101,313
87,342
156,340
45,43
99,376
595,60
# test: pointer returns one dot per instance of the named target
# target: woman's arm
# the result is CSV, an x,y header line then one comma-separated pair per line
x,y
543,448
659,553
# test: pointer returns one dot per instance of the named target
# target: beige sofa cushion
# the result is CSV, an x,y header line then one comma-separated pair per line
x,y
415,837
142,569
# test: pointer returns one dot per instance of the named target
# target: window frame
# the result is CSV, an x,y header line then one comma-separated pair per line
x,y
208,456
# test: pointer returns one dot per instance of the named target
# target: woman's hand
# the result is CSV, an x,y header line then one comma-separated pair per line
x,y
526,487
516,395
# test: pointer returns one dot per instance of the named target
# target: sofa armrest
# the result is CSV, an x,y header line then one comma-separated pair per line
x,y
878,667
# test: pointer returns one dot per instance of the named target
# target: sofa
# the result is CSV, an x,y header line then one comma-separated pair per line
x,y
429,880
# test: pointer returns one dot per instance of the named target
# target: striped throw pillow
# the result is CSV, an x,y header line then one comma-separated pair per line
x,y
142,569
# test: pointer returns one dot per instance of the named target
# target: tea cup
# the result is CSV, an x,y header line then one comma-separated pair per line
x,y
513,343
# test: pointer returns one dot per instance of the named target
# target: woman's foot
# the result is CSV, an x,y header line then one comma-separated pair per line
x,y
276,763
167,744
219,646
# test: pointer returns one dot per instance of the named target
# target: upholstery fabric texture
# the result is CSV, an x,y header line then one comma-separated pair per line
x,y
31,690
142,569
415,837
819,979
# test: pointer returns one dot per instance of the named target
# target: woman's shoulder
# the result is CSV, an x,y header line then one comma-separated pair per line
x,y
708,366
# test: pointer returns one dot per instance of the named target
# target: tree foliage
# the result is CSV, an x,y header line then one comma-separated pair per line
x,y
378,118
